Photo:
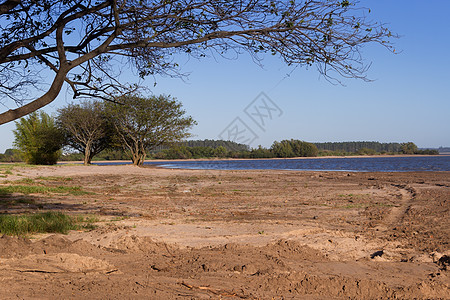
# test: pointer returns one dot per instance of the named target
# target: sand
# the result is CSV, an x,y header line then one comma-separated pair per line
x,y
199,234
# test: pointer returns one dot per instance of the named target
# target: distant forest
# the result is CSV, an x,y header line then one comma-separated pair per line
x,y
357,146
229,145
226,149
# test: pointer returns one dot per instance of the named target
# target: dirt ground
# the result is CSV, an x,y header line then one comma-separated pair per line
x,y
198,234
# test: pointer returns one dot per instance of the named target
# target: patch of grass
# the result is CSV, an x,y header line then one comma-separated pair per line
x,y
47,222
6,170
119,218
54,178
33,189
345,195
24,181
6,167
87,222
14,165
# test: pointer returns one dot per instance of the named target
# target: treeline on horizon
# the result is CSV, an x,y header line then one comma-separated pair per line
x,y
285,149
195,149
353,147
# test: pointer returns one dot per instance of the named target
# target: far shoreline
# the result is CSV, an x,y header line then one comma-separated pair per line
x,y
242,159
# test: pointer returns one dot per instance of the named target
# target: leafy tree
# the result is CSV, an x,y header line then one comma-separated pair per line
x,y
38,139
11,155
176,152
221,152
142,124
282,149
408,148
86,128
261,152
294,148
303,149
85,44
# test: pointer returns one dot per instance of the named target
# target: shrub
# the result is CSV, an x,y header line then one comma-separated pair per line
x,y
38,139
294,148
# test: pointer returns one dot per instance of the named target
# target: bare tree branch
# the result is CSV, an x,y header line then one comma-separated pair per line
x,y
8,5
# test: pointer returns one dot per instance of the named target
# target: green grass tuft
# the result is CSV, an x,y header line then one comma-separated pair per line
x,y
48,222
37,189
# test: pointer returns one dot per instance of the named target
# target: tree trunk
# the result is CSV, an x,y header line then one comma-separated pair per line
x,y
138,159
138,156
88,153
87,156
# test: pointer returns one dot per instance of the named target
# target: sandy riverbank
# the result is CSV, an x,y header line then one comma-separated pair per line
x,y
200,234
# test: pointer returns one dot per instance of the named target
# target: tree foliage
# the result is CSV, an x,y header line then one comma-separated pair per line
x,y
86,128
85,44
229,145
409,148
294,148
142,124
38,139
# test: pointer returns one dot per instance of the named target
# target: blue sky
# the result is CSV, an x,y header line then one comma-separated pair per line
x,y
408,101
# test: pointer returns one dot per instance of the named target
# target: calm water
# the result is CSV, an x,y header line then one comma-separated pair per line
x,y
350,164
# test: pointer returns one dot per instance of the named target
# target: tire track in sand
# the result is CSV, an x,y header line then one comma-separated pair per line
x,y
398,213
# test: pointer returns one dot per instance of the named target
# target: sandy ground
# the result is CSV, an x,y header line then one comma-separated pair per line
x,y
198,234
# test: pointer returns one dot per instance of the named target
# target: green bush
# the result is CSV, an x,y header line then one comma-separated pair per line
x,y
408,148
38,139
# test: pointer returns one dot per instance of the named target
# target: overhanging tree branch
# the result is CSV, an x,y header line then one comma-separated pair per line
x,y
39,37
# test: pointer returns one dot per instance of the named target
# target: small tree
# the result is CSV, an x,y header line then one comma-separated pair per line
x,y
141,124
220,151
408,148
38,139
282,149
294,148
303,149
86,128
261,152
